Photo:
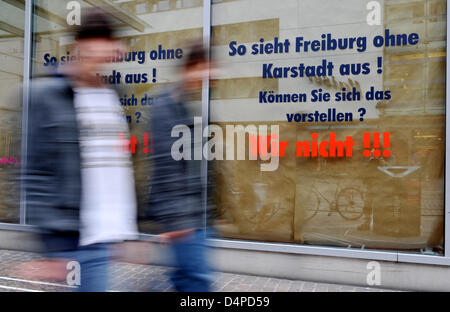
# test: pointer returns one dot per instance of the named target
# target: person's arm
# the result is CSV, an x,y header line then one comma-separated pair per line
x,y
40,177
52,173
169,202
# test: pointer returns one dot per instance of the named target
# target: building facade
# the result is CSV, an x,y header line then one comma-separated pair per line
x,y
389,209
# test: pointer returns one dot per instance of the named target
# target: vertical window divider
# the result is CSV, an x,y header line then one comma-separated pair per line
x,y
27,51
447,148
205,106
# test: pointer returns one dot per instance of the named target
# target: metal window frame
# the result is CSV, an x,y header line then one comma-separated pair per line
x,y
27,51
393,256
205,106
447,147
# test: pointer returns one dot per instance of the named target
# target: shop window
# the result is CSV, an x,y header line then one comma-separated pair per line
x,y
11,76
155,28
394,202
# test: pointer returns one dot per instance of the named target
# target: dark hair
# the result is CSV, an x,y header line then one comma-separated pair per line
x,y
197,55
94,24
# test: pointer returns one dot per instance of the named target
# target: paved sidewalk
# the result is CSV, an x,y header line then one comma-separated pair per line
x,y
134,277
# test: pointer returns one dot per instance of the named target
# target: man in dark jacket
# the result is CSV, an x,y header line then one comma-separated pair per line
x,y
175,198
80,186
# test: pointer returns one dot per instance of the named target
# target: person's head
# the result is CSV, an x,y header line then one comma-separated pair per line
x,y
94,41
195,68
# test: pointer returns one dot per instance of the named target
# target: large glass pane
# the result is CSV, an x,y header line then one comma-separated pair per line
x,y
11,76
376,202
155,34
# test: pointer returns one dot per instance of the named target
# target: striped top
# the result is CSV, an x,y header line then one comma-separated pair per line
x,y
108,203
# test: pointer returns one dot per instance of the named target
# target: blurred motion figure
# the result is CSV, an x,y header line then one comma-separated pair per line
x,y
175,196
80,186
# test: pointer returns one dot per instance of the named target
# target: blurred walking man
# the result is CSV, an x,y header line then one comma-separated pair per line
x,y
80,185
176,188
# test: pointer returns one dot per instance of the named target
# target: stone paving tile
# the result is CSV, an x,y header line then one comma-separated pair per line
x,y
297,286
249,280
309,287
134,277
334,288
347,288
